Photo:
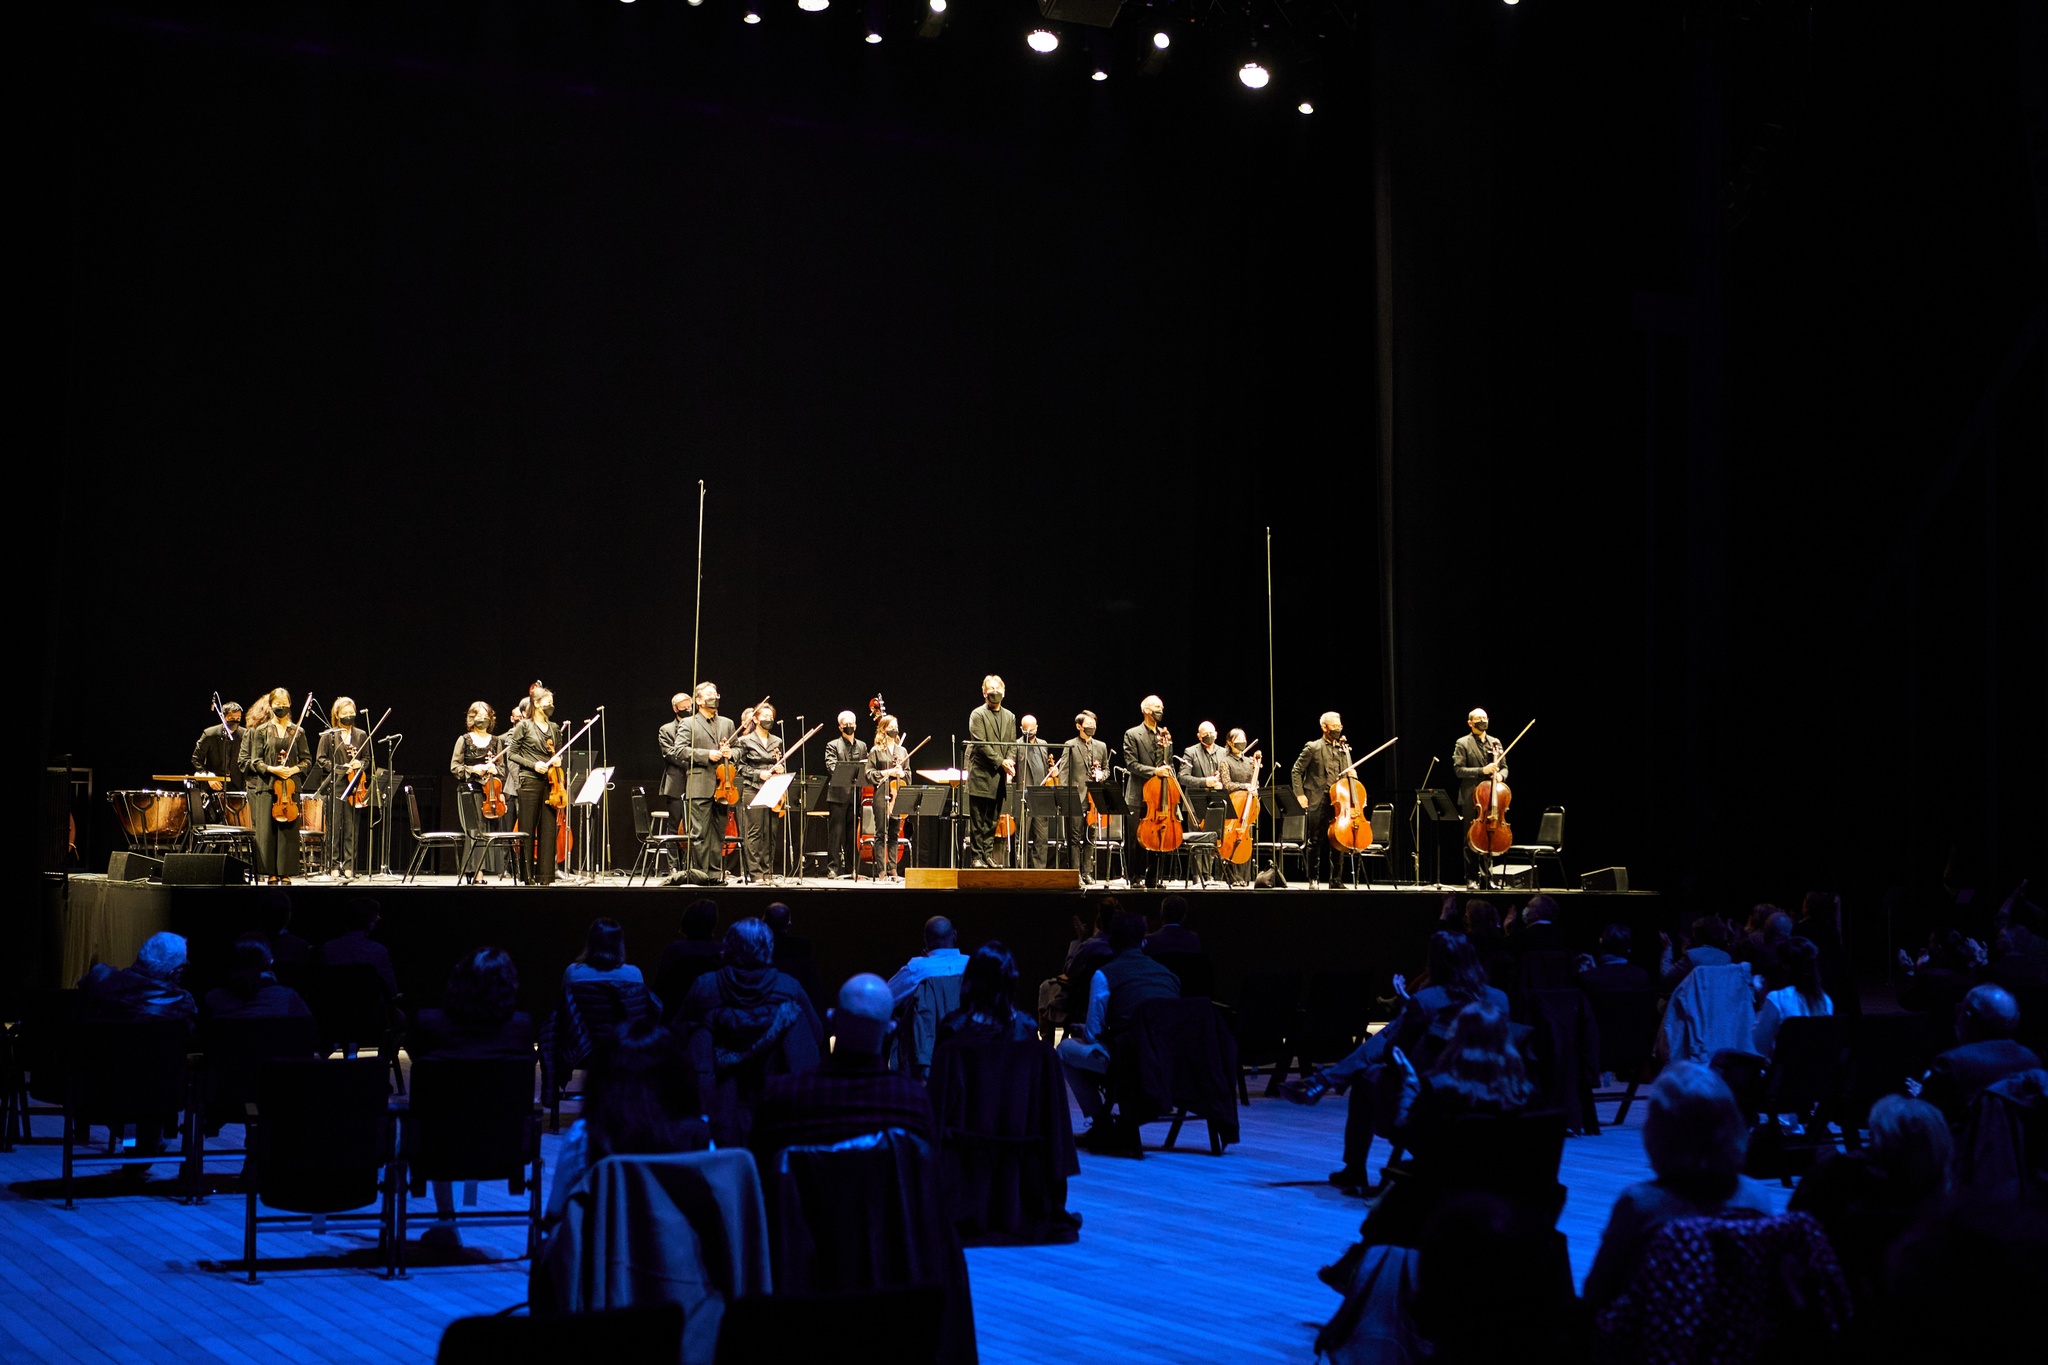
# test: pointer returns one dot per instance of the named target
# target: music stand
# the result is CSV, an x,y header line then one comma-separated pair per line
x,y
845,784
923,803
1109,800
1438,807
1045,803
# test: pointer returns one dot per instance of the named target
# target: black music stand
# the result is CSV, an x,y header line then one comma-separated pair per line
x,y
1046,803
925,804
1109,800
1438,807
845,783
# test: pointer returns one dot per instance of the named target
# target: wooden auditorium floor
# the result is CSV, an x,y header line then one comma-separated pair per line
x,y
1183,1258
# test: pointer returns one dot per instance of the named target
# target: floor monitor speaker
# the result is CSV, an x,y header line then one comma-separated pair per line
x,y
204,869
133,867
1606,879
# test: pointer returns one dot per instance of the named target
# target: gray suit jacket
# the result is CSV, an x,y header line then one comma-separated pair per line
x,y
1142,753
1467,758
990,734
1316,769
691,746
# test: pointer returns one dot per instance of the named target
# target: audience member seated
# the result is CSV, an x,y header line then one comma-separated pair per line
x,y
1062,997
287,949
1695,1138
853,1091
1938,979
1174,936
357,947
793,957
1707,948
1984,1055
147,990
760,1022
1481,923
1115,991
693,955
603,957
1609,969
476,1021
1478,1071
1534,929
640,1100
988,1010
1799,962
942,957
1966,1283
252,991
1866,1199
1763,947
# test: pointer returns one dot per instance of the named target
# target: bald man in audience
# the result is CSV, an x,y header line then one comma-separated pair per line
x,y
853,1092
942,957
1985,1052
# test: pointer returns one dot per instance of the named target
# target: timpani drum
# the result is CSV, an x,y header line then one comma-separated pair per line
x,y
234,809
150,818
312,815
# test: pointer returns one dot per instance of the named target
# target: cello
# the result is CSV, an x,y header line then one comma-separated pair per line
x,y
1351,824
1489,832
1241,826
1159,829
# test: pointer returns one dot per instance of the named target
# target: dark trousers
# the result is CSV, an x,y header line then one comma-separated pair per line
x,y
1081,848
981,828
884,862
277,845
1319,861
537,822
340,841
705,855
842,829
1478,866
1140,863
758,828
1037,840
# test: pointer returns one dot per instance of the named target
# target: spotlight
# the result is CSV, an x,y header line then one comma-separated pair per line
x,y
812,6
1043,40
1161,41
751,17
938,6
1099,76
1306,107
1254,76
694,3
874,37
1510,2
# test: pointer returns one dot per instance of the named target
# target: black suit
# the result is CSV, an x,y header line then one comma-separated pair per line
x,y
1142,753
842,804
1078,760
215,751
1961,1074
689,748
1034,760
992,734
1469,757
1314,773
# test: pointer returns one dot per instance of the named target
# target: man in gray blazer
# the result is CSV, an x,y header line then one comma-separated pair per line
x,y
691,747
1314,772
991,763
1083,759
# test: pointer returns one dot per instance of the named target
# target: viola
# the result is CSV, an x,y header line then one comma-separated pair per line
x,y
1240,828
727,770
494,797
284,791
1159,829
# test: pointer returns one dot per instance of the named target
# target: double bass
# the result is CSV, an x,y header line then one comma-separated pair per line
x,y
1241,826
1489,832
1159,829
1351,823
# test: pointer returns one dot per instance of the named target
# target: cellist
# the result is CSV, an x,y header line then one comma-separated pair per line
x,y
1144,756
1239,771
1476,757
531,743
1320,762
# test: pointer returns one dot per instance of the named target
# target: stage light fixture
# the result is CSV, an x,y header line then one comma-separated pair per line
x,y
1099,76
750,17
1306,107
695,3
1161,41
874,37
1254,76
938,6
1043,40
812,6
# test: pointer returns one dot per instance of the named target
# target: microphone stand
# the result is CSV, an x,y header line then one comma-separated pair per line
x,y
1415,821
390,795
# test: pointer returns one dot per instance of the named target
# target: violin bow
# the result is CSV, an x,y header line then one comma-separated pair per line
x,y
368,739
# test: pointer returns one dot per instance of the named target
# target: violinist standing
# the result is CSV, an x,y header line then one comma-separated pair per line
x,y
692,747
1314,773
1034,760
340,758
1202,762
1083,759
991,733
533,741
1240,772
887,762
272,747
473,760
842,804
1476,758
760,758
1144,756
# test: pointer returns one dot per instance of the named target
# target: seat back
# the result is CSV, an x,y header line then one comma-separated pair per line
x,y
471,1119
646,1332
857,1215
793,1327
1544,970
1627,1021
412,811
642,821
1550,829
348,1001
916,1034
469,812
127,1070
324,1133
1383,826
1268,1004
1196,972
1809,1064
1336,1007
1512,1155
46,1021
236,1051
1179,1055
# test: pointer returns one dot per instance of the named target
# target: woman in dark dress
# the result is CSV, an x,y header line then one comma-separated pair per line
x,y
476,758
273,747
530,749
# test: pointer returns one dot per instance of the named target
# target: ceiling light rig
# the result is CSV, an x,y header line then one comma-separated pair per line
x,y
812,6
1254,75
1043,40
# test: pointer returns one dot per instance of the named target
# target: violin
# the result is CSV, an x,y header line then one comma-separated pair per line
x,y
1489,832
1240,828
494,796
358,793
1351,827
558,785
727,770
284,791
1159,829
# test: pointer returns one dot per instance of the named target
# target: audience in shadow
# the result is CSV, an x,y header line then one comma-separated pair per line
x,y
988,1009
853,1091
251,990
693,955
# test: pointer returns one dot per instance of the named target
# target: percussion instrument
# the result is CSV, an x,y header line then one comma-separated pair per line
x,y
150,817
313,814
234,810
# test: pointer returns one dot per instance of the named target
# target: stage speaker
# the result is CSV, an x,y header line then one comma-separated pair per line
x,y
204,869
1606,879
133,867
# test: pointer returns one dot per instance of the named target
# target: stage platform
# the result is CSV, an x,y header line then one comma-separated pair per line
x,y
851,926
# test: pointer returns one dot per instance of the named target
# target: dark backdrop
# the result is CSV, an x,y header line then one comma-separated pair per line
x,y
394,346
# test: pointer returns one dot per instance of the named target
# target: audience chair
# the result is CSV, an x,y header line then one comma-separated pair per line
x,y
425,841
1176,1062
2002,1150
1268,1017
1565,1044
656,843
1513,1157
320,1149
1808,1078
1336,1009
653,1332
35,1065
480,840
1730,1288
233,1055
1006,1142
469,1121
867,1214
1627,1023
131,1071
349,1004
872,1327
917,1023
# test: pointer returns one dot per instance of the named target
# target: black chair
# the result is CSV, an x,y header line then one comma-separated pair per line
x,y
35,1065
425,841
1808,1077
353,1012
320,1148
129,1071
1546,849
650,1333
1336,1011
917,1023
472,1121
1290,841
584,1024
1006,1141
233,1054
479,840
1176,1062
1381,850
883,1326
1513,1157
1267,1019
656,843
1565,1048
1627,1021
209,837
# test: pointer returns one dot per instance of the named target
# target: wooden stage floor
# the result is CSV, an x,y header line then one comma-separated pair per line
x,y
1209,1258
